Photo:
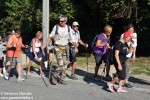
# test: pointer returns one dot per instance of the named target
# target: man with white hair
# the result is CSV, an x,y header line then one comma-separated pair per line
x,y
61,35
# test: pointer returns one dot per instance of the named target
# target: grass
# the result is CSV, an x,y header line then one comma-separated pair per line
x,y
140,66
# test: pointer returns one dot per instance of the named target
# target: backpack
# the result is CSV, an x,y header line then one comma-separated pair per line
x,y
93,44
56,32
109,57
30,46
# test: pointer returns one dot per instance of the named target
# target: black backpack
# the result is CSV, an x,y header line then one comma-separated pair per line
x,y
109,57
93,44
56,32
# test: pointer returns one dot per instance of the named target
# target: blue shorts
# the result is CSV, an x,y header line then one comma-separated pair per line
x,y
31,56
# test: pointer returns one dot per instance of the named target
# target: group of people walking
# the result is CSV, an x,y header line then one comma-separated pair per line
x,y
123,49
63,41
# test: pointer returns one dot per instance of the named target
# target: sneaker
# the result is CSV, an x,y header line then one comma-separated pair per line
x,y
4,69
74,77
46,64
127,85
121,90
1,75
20,79
96,77
6,75
60,81
111,87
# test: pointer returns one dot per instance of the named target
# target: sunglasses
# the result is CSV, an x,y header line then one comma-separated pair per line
x,y
62,21
76,26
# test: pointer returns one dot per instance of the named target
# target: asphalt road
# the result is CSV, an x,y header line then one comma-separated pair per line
x,y
86,88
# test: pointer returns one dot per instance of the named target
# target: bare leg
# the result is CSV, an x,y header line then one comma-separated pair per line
x,y
51,57
0,70
74,67
9,69
29,66
19,69
120,83
41,68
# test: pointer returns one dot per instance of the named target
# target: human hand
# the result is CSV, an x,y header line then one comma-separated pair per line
x,y
14,45
37,59
43,54
119,67
86,45
107,44
26,46
76,50
55,38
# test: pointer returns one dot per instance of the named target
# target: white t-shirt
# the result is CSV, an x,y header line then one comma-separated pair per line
x,y
135,40
63,35
74,36
129,44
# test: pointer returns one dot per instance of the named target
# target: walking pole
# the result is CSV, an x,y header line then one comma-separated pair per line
x,y
26,62
43,79
26,65
50,67
86,62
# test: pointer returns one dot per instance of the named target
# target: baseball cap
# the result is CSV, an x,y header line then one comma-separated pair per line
x,y
75,23
127,34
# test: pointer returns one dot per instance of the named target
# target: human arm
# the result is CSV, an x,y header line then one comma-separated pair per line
x,y
118,60
99,44
134,38
52,35
134,54
42,49
24,46
9,43
33,48
47,43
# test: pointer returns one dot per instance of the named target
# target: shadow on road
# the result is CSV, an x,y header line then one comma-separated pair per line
x,y
138,81
88,78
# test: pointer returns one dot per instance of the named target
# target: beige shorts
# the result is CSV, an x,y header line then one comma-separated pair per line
x,y
14,61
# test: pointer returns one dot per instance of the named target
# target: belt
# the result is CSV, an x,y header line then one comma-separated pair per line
x,y
60,45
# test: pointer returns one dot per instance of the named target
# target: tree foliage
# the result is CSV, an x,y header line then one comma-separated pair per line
x,y
92,15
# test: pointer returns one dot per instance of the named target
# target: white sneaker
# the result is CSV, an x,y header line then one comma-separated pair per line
x,y
46,63
1,75
121,90
6,75
4,69
20,79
